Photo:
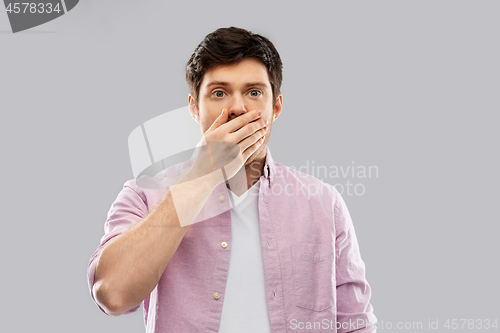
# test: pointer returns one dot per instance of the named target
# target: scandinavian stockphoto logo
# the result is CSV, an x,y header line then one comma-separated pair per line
x,y
26,15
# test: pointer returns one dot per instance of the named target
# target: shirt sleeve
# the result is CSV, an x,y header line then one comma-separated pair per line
x,y
127,210
354,311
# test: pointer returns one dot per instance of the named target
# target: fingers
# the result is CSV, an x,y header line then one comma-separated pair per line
x,y
253,140
248,130
241,121
252,148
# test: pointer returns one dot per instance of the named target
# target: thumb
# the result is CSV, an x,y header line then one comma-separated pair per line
x,y
221,119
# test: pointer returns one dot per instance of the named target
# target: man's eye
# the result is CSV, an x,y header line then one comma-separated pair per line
x,y
219,94
254,93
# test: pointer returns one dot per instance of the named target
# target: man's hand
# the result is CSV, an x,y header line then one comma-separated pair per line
x,y
229,144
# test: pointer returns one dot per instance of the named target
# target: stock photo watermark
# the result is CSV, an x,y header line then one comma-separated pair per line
x,y
431,324
349,180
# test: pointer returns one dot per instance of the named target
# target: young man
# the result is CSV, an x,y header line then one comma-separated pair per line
x,y
277,250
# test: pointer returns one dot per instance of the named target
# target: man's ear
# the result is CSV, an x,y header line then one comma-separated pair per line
x,y
193,109
278,107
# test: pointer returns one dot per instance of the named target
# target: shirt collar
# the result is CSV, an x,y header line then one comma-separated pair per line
x,y
269,166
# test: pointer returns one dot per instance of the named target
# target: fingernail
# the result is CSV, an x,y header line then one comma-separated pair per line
x,y
259,113
265,128
267,121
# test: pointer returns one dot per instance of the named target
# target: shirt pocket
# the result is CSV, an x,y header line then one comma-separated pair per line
x,y
313,275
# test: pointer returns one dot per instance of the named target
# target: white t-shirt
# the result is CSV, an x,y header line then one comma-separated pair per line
x,y
245,307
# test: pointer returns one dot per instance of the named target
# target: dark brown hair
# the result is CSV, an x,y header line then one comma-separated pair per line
x,y
226,46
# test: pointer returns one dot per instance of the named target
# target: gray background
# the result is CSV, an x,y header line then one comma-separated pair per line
x,y
408,86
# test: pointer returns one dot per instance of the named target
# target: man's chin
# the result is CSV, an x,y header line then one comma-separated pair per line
x,y
255,155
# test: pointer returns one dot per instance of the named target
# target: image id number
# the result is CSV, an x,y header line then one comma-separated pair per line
x,y
31,7
470,324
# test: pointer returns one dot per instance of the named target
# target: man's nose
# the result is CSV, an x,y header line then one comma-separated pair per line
x,y
237,107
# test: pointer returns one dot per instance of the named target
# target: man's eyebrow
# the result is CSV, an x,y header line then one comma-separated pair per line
x,y
256,84
250,84
217,83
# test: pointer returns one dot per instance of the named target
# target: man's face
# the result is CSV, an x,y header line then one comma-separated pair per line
x,y
238,88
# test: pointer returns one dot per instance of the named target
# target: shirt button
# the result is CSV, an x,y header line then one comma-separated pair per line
x,y
223,245
216,295
221,197
271,179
